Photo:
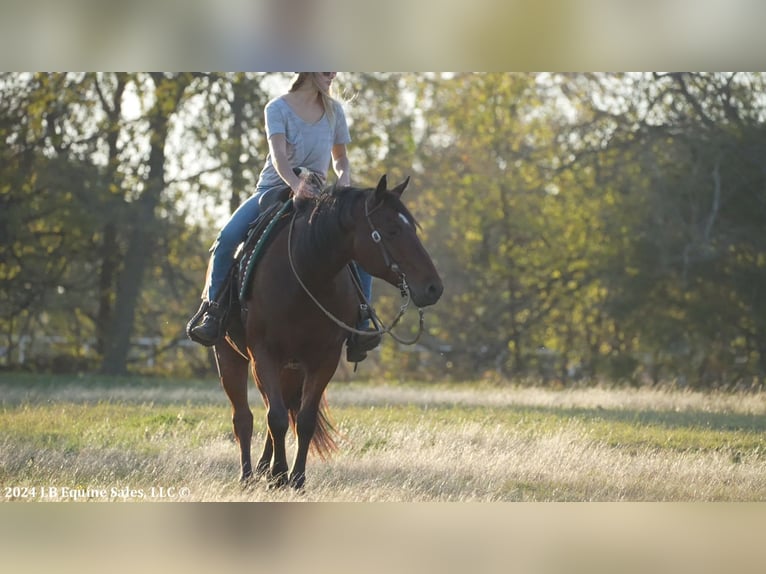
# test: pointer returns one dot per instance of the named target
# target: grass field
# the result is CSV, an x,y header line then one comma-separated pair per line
x,y
88,438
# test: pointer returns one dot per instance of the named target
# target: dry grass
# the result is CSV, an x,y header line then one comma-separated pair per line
x,y
510,396
398,443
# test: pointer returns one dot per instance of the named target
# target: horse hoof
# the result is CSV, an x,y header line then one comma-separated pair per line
x,y
278,482
298,482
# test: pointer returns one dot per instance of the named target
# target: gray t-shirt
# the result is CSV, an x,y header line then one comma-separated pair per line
x,y
308,145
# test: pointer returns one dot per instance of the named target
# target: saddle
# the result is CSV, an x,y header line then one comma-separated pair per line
x,y
275,206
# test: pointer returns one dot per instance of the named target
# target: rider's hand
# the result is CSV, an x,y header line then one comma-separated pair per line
x,y
310,184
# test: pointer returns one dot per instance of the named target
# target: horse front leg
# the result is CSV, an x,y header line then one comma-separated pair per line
x,y
306,425
278,424
267,376
232,370
306,419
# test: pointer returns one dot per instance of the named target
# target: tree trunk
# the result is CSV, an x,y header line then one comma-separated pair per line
x,y
109,255
142,240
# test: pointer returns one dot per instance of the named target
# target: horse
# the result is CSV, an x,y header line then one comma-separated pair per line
x,y
302,300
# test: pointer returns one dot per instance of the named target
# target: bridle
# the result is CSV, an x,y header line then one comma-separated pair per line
x,y
390,263
377,238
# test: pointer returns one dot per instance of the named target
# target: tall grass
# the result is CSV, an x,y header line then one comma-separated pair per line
x,y
460,442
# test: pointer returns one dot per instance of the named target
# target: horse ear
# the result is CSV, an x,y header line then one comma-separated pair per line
x,y
381,189
399,189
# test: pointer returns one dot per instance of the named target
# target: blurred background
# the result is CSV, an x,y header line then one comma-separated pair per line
x,y
588,226
300,34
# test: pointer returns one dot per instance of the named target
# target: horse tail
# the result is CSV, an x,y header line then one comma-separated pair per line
x,y
323,441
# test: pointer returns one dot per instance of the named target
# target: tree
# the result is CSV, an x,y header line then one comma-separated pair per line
x,y
47,212
168,93
684,151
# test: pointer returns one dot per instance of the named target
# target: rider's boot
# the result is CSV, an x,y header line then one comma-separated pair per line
x,y
358,344
207,331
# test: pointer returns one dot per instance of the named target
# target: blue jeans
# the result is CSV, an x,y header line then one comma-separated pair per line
x,y
232,234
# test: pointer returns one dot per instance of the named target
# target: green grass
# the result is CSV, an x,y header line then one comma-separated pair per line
x,y
141,428
457,442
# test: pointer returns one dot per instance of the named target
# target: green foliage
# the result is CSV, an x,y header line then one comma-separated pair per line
x,y
100,196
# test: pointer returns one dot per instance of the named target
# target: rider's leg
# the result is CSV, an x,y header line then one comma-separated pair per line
x,y
208,330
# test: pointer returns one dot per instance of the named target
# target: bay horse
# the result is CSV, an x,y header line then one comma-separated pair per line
x,y
292,344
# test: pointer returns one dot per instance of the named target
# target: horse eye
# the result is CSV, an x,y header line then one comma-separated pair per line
x,y
404,219
393,229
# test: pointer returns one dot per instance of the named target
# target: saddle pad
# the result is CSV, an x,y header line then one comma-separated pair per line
x,y
257,238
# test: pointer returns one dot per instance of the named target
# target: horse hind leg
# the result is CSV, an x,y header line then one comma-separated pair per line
x,y
264,462
233,372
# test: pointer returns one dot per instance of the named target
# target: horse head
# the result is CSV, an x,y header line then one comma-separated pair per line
x,y
386,244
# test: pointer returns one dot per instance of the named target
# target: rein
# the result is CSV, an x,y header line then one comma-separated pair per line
x,y
390,263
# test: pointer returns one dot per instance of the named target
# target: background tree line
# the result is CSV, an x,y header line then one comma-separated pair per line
x,y
587,226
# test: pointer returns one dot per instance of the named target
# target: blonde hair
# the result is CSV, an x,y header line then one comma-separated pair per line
x,y
327,97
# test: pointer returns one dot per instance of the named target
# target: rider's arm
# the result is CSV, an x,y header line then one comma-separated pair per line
x,y
340,164
278,151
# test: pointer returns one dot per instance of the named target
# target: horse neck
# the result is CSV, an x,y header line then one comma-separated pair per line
x,y
321,249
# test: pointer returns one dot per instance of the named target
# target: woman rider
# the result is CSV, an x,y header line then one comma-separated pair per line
x,y
305,128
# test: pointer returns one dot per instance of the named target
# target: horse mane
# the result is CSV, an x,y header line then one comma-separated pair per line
x,y
325,214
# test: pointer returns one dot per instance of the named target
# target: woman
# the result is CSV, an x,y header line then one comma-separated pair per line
x,y
305,128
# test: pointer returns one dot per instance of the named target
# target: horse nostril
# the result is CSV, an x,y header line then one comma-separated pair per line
x,y
434,290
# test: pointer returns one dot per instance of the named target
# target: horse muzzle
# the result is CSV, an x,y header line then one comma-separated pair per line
x,y
427,293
